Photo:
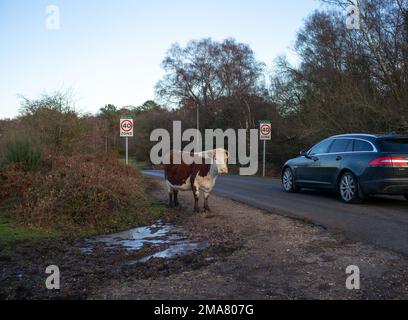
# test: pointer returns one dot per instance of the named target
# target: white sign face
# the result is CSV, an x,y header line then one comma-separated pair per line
x,y
126,127
265,131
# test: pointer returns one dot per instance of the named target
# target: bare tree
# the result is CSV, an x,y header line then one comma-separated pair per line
x,y
205,71
348,80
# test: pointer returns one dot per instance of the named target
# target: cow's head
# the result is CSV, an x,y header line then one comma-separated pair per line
x,y
220,157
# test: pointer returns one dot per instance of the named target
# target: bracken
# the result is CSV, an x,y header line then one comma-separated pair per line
x,y
76,192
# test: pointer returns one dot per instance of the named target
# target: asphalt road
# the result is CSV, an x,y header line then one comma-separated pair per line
x,y
382,221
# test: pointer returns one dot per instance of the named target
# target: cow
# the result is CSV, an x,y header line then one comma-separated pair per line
x,y
197,174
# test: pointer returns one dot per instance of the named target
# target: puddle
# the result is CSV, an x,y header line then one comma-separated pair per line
x,y
176,250
161,235
86,250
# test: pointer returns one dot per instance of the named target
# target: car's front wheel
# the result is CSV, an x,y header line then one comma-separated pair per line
x,y
406,196
348,187
288,181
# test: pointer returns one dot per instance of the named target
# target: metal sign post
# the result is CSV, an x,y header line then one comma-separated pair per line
x,y
265,134
264,158
127,150
126,130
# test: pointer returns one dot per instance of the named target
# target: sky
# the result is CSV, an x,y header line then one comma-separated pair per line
x,y
110,51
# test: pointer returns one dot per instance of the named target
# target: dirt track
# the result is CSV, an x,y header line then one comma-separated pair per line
x,y
251,255
273,258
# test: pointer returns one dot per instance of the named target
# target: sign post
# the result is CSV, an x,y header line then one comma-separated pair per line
x,y
265,134
127,150
126,130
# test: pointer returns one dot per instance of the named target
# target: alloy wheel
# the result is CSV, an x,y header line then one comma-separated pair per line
x,y
348,188
287,180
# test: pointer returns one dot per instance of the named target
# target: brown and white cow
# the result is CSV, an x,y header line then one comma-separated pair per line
x,y
197,174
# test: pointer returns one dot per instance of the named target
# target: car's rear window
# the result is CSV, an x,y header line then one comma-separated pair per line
x,y
394,145
362,146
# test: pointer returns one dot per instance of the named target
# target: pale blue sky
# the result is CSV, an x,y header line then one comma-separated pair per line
x,y
110,51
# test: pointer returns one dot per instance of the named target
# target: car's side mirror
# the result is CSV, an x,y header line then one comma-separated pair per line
x,y
305,154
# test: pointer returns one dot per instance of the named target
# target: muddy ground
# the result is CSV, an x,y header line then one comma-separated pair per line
x,y
249,254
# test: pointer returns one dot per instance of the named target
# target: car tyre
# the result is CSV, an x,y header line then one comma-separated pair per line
x,y
349,188
406,196
288,181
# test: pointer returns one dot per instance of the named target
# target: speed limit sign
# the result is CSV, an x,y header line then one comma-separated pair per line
x,y
265,130
265,134
126,127
126,131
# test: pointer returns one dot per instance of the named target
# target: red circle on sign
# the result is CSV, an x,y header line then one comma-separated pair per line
x,y
266,129
130,125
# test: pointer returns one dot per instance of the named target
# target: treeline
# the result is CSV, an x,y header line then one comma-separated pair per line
x,y
348,80
345,81
60,172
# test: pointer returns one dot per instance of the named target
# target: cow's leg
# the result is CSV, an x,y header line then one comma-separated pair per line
x,y
175,194
171,203
196,192
170,193
206,206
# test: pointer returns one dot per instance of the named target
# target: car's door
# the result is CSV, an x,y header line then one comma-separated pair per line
x,y
331,163
304,170
307,167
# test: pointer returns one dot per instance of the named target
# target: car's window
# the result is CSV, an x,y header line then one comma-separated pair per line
x,y
322,147
341,145
350,146
395,145
360,145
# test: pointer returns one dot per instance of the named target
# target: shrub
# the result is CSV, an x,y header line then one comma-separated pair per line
x,y
13,182
92,193
53,121
23,153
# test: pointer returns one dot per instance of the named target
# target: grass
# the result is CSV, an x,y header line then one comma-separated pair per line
x,y
12,236
10,232
83,197
22,152
131,219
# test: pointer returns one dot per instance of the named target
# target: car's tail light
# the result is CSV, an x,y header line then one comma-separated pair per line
x,y
390,161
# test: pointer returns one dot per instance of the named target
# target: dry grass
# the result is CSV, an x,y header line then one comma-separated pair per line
x,y
78,193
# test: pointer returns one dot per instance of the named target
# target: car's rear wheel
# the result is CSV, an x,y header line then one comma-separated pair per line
x,y
348,188
406,196
288,181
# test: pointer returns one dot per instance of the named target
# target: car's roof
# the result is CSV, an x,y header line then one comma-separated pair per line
x,y
370,136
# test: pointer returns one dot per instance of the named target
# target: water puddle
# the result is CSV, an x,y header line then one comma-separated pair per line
x,y
174,251
171,242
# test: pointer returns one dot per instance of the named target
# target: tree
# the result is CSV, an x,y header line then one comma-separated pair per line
x,y
348,80
109,114
53,121
205,71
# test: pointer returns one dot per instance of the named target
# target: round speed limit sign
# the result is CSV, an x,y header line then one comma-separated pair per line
x,y
265,131
126,127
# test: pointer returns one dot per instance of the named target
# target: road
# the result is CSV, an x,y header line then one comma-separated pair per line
x,y
382,221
